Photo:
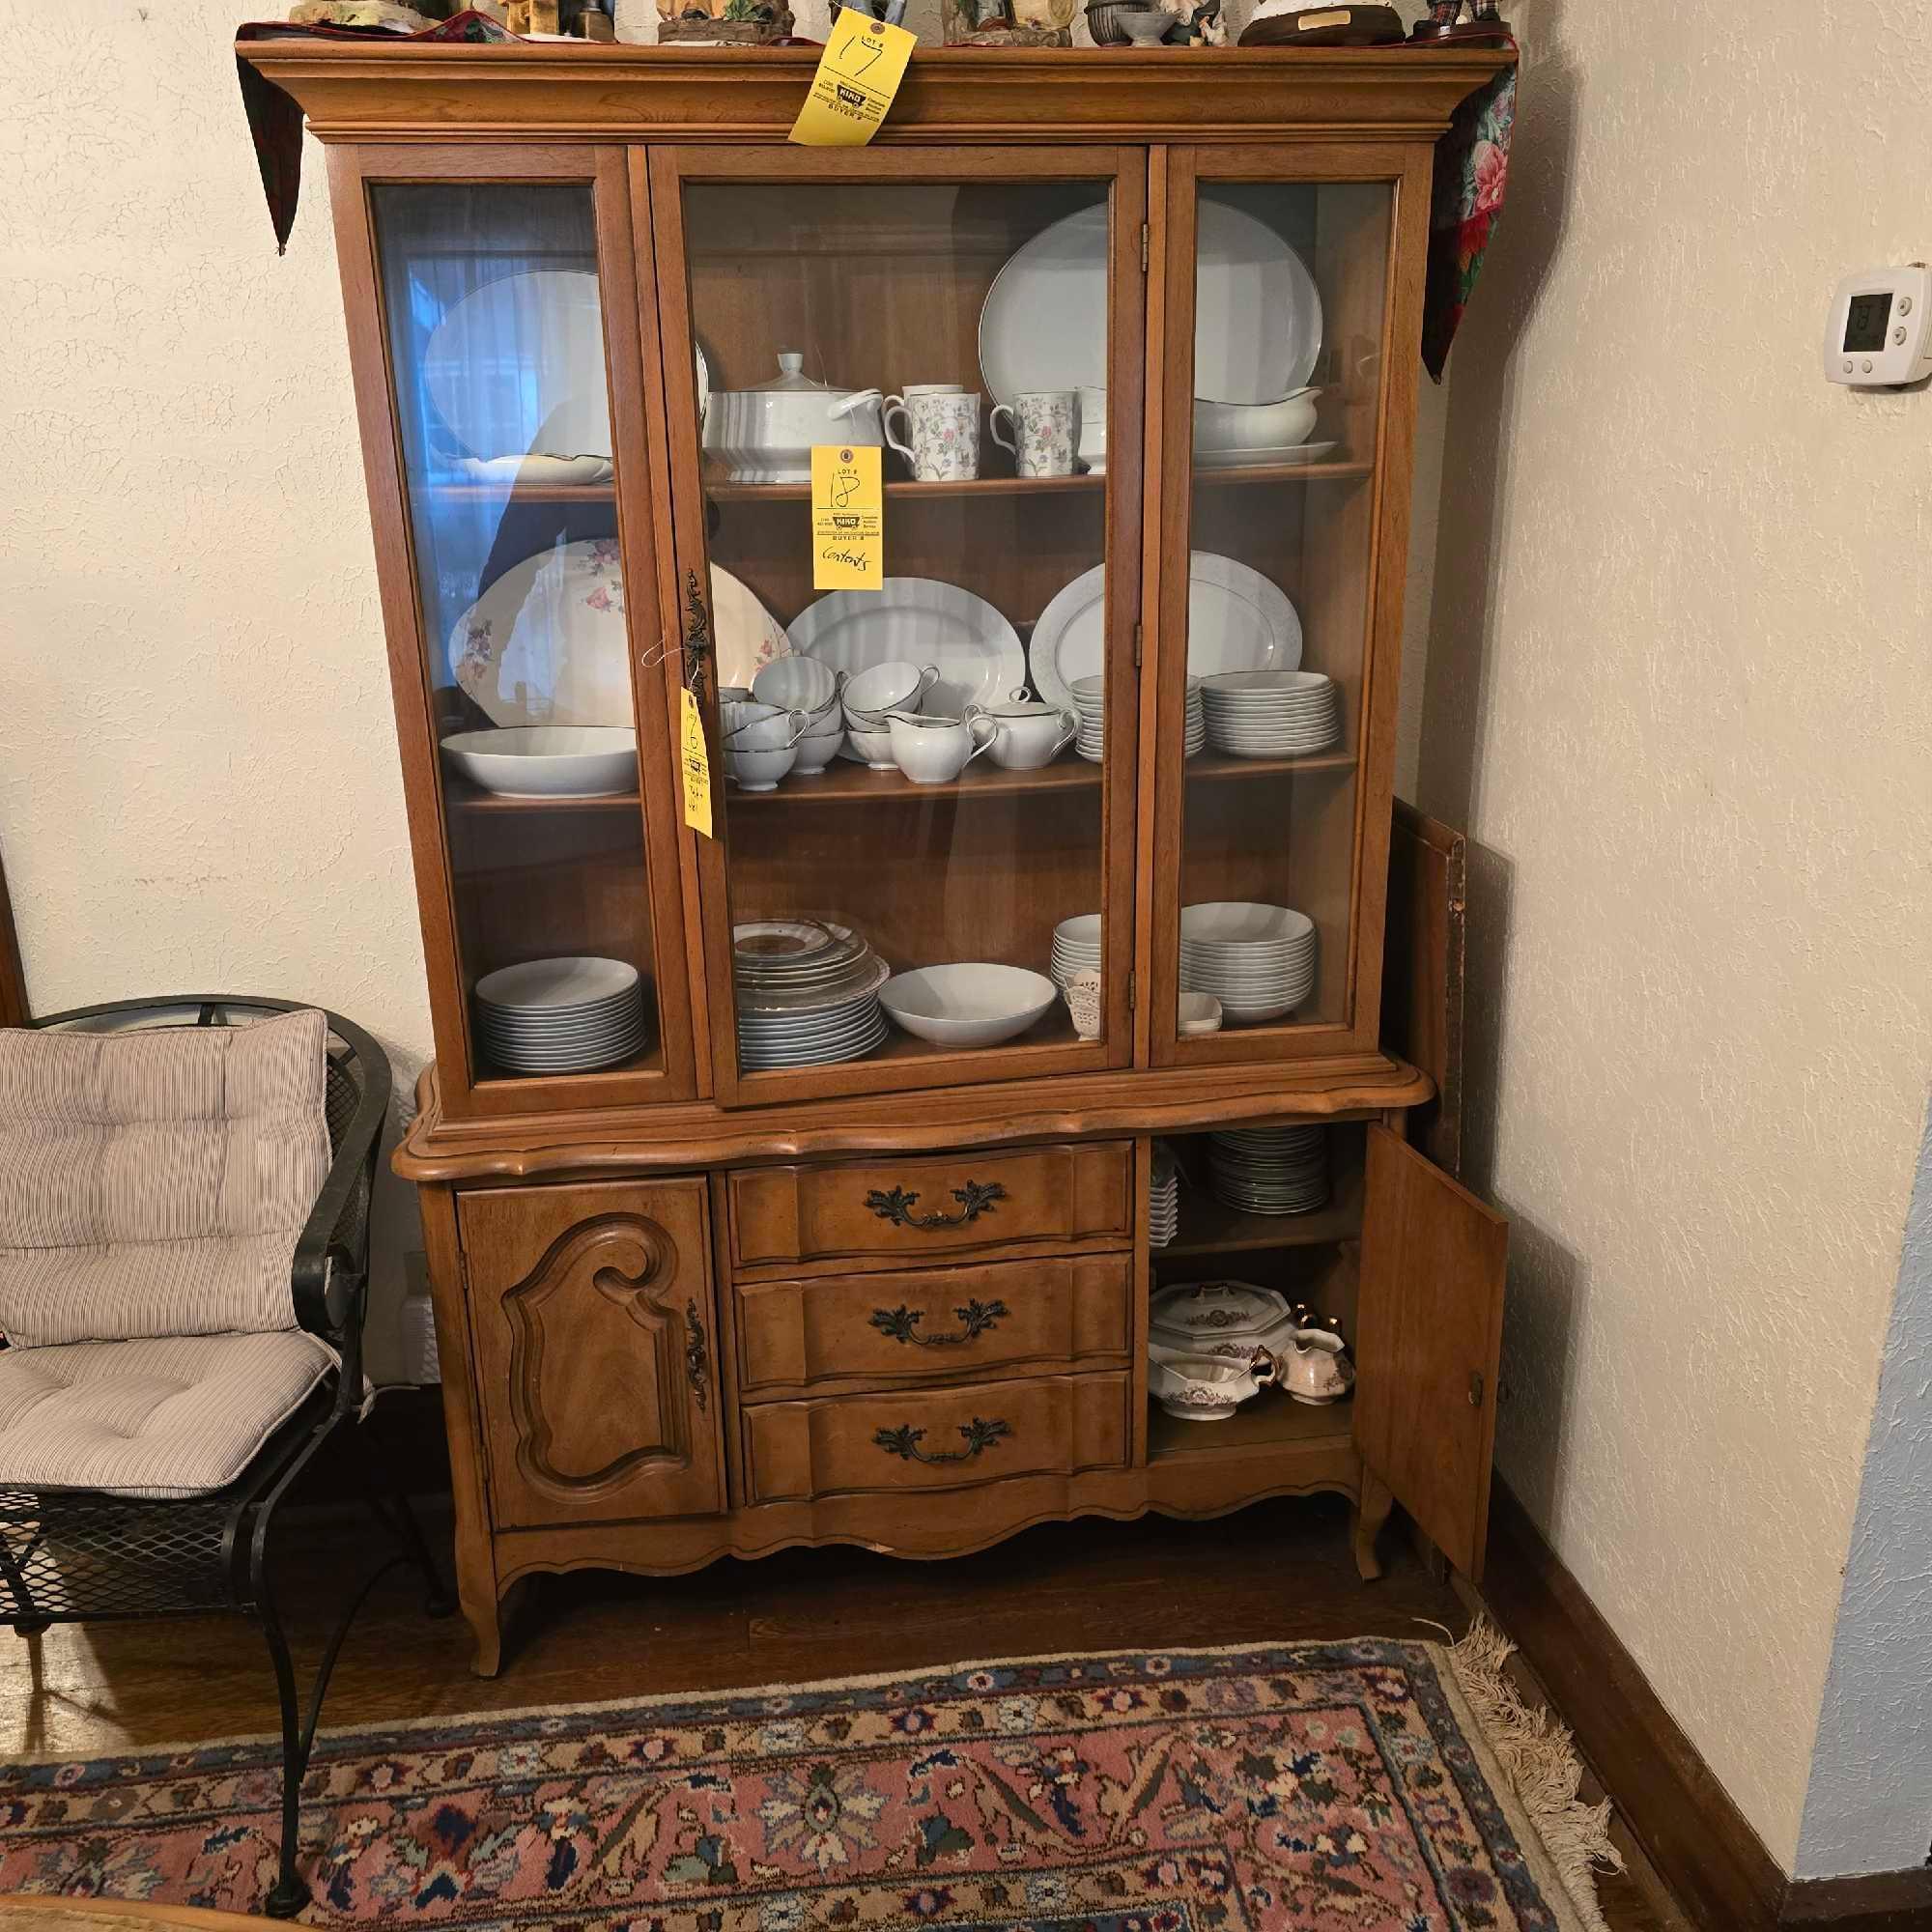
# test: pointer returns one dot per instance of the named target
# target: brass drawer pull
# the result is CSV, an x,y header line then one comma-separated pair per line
x,y
901,1323
895,1205
904,1442
697,1369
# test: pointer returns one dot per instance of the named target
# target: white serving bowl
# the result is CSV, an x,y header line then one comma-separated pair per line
x,y
1206,1388
1222,426
796,684
547,760
874,747
1240,923
760,770
971,1004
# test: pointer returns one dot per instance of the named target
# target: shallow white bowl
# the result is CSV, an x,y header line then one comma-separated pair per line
x,y
1242,922
1199,1013
970,1003
547,760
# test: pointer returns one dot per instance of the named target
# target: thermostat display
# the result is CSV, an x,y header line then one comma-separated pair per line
x,y
1876,335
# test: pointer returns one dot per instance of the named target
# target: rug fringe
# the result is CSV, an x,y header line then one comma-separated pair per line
x,y
1539,1757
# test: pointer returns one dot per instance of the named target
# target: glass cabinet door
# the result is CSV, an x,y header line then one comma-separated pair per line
x,y
1276,407
923,787
500,348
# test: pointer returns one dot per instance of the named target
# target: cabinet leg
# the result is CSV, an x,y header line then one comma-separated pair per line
x,y
1371,1512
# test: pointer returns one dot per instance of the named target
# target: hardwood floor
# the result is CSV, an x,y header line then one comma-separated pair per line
x,y
1278,1572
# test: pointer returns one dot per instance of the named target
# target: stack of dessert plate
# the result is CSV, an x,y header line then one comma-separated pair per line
x,y
561,1015
1270,1170
1164,1204
1076,946
1258,960
1090,703
808,993
1272,714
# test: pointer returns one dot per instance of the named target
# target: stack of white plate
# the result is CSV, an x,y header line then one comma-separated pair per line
x,y
808,993
1258,960
1076,946
1272,714
1270,1170
1089,698
561,1015
1164,1206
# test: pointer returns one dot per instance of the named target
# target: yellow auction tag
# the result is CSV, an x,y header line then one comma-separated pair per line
x,y
848,518
694,764
859,72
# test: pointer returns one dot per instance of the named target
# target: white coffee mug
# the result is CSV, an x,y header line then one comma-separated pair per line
x,y
1042,439
942,432
934,751
1092,445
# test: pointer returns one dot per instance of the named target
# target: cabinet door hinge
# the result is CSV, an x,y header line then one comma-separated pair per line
x,y
1144,248
1133,991
1137,648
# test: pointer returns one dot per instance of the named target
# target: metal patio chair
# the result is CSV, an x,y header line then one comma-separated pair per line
x,y
81,1554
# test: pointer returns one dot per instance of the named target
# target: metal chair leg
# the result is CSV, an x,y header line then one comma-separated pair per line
x,y
291,1891
393,1512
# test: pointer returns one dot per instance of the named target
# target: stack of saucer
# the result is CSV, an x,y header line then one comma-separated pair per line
x,y
1270,1170
1164,1203
1272,714
561,1015
808,993
1090,701
1258,960
1076,946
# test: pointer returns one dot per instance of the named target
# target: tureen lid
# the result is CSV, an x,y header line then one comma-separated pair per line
x,y
1203,1314
792,380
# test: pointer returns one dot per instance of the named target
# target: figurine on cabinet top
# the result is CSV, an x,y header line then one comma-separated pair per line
x,y
1009,23
1445,23
723,23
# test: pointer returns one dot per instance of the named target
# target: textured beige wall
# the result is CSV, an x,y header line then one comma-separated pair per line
x,y
1677,685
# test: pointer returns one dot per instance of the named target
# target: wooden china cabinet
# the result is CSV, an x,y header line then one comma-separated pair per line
x,y
749,1287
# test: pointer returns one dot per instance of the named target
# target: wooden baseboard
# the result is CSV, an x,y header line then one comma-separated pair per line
x,y
1702,1846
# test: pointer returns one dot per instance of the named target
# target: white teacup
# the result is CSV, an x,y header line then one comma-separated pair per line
x,y
762,728
797,684
874,747
1027,735
735,694
819,745
759,770
871,695
942,432
935,751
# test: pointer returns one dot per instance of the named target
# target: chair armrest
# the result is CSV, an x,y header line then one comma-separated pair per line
x,y
327,1276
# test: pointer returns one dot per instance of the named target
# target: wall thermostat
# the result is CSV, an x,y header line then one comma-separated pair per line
x,y
1876,335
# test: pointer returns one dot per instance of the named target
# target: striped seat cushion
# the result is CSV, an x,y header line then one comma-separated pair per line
x,y
172,1417
156,1182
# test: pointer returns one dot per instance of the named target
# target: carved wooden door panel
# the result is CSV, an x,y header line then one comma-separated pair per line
x,y
594,1349
1429,1325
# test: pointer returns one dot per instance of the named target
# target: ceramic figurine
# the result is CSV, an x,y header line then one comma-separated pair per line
x,y
1201,26
1445,23
735,23
1009,23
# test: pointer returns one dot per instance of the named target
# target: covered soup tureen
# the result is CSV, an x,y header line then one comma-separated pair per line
x,y
765,435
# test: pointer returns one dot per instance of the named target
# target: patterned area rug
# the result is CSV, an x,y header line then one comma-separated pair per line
x,y
1297,1789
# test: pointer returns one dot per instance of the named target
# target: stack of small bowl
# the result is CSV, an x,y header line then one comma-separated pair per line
x,y
1076,946
1090,701
1258,960
568,1015
1272,714
801,684
1164,1197
1270,1170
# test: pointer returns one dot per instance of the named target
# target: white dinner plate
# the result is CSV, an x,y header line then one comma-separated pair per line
x,y
571,471
916,620
546,985
1236,621
746,636
1276,458
547,643
518,365
1258,313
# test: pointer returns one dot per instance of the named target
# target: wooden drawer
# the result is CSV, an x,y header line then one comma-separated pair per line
x,y
918,1207
935,1438
877,1329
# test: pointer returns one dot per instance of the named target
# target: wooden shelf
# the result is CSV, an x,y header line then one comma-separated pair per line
x,y
1208,1228
1270,1421
469,798
1285,473
1225,765
842,781
520,492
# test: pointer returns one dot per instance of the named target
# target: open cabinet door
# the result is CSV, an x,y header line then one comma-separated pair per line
x,y
1428,1333
1422,972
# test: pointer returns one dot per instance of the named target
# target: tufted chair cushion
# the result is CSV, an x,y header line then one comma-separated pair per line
x,y
156,1182
171,1417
